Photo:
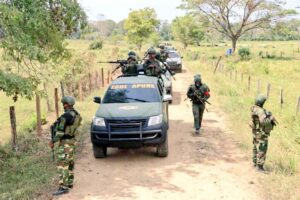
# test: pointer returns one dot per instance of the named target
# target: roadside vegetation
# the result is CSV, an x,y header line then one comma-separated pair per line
x,y
231,94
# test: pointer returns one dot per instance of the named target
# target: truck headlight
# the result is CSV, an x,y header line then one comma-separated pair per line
x,y
154,120
99,121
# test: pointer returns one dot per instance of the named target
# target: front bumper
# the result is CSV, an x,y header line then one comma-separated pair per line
x,y
124,138
175,67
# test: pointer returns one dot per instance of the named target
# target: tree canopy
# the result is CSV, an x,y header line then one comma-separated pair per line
x,y
33,35
140,25
187,30
234,18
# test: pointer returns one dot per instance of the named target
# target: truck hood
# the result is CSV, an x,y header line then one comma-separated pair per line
x,y
129,110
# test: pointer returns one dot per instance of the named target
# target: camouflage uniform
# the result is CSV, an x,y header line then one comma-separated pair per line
x,y
152,66
262,123
131,67
201,90
66,130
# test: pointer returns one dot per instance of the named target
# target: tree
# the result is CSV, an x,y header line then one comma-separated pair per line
x,y
187,30
165,31
34,33
234,18
140,25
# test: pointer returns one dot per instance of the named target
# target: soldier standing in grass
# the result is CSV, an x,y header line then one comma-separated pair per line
x,y
66,129
198,93
262,123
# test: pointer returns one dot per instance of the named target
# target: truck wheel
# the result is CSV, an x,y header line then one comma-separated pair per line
x,y
162,149
99,152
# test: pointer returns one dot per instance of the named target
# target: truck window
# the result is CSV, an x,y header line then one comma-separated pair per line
x,y
128,93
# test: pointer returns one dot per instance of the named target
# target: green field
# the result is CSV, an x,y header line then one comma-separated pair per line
x,y
230,94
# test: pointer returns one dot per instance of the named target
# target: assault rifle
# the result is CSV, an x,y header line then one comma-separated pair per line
x,y
169,70
53,133
274,122
200,99
120,62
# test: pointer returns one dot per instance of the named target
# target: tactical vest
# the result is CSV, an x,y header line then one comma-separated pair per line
x,y
71,130
264,127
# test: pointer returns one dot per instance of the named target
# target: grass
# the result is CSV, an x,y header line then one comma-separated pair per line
x,y
235,100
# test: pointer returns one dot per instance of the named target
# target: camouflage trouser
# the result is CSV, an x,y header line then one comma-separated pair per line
x,y
260,147
198,110
65,163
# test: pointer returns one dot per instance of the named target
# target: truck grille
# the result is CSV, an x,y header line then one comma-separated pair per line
x,y
126,125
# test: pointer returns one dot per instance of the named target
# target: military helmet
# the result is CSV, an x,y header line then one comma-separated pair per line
x,y
131,53
151,51
68,100
260,100
162,46
197,78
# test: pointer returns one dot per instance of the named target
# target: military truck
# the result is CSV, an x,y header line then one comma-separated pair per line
x,y
132,114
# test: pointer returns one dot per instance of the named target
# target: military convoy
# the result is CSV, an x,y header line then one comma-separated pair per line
x,y
133,113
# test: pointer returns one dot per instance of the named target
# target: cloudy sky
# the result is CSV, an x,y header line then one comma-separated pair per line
x,y
118,10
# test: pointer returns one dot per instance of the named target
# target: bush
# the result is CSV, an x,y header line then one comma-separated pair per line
x,y
244,53
96,45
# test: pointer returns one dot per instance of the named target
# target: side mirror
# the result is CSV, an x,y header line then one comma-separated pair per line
x,y
167,98
97,100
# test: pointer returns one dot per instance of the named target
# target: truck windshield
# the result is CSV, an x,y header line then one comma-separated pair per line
x,y
173,55
128,93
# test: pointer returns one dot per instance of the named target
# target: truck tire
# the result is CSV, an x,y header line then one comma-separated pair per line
x,y
162,149
99,151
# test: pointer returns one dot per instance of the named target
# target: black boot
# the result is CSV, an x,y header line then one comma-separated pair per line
x,y
260,168
61,190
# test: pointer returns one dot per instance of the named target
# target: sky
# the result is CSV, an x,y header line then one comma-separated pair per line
x,y
118,10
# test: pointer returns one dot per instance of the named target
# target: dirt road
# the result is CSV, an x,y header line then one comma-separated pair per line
x,y
206,167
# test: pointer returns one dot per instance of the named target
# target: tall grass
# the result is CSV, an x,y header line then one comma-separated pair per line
x,y
233,97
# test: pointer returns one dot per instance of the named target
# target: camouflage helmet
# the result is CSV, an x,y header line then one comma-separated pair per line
x,y
131,53
151,51
68,100
162,46
260,100
197,78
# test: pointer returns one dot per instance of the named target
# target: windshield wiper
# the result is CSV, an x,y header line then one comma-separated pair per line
x,y
140,100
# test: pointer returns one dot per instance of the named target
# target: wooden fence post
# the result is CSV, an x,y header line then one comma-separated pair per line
x,y
38,115
242,77
56,102
258,86
281,97
108,75
13,125
102,77
298,106
249,83
62,89
216,67
268,90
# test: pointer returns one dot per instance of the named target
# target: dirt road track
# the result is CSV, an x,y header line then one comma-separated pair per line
x,y
206,167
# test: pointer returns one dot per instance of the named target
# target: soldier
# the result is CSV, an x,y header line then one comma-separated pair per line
x,y
66,129
198,94
164,53
152,65
131,67
262,123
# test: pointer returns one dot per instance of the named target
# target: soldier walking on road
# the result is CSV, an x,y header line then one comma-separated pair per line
x,y
65,131
198,93
262,124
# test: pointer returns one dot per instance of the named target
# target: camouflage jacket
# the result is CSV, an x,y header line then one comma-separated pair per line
x,y
152,68
130,69
261,121
195,93
67,125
